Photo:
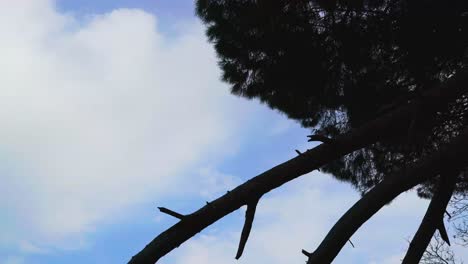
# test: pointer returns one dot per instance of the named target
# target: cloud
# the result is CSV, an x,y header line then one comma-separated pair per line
x,y
99,115
102,114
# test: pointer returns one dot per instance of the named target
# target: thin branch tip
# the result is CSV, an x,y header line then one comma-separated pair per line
x,y
171,213
443,232
249,217
448,214
320,138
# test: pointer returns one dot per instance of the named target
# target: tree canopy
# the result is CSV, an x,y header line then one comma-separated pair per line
x,y
334,65
382,84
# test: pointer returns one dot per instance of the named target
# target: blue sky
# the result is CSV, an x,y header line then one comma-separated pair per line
x,y
112,108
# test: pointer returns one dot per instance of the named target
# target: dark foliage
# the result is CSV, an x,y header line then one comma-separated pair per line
x,y
334,65
382,84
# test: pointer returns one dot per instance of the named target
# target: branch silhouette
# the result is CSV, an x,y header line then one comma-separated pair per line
x,y
453,156
393,123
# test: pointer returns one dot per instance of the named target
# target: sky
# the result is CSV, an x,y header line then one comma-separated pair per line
x,y
109,109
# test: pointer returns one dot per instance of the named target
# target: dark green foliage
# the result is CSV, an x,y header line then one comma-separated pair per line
x,y
334,65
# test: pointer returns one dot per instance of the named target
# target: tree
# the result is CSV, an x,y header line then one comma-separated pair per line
x,y
383,84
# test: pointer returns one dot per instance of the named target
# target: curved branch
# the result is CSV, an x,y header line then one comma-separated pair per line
x,y
433,219
386,126
453,155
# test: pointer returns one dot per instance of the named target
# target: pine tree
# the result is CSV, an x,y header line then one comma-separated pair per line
x,y
382,84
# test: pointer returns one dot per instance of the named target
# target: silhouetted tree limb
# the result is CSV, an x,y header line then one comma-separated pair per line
x,y
453,156
249,217
448,214
433,219
308,254
171,213
389,125
443,232
320,138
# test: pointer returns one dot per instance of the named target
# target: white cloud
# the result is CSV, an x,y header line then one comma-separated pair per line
x,y
98,115
211,183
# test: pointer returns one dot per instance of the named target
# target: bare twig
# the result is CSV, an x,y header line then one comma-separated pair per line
x,y
306,253
448,214
438,252
320,138
171,213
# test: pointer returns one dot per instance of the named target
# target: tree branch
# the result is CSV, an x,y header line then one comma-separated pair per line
x,y
320,138
249,217
443,232
433,219
453,155
171,213
388,125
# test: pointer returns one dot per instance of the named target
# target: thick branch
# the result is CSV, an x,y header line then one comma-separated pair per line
x,y
433,219
249,217
388,125
453,155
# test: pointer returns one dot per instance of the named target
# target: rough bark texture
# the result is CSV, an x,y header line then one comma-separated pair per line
x,y
388,125
453,156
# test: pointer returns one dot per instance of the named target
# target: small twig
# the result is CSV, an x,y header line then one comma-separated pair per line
x,y
320,138
249,217
448,214
351,243
298,152
306,253
171,213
